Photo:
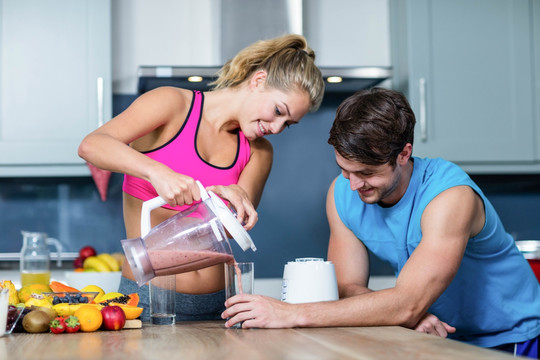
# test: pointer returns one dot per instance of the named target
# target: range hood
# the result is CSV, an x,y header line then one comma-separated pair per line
x,y
265,19
350,79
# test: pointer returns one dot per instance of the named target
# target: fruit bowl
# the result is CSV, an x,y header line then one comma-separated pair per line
x,y
108,281
13,315
80,297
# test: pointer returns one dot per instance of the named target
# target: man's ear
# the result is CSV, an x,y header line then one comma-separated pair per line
x,y
405,154
258,79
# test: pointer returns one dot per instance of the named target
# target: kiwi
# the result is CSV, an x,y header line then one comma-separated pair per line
x,y
51,312
36,321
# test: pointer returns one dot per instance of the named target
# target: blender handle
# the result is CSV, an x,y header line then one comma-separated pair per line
x,y
147,207
156,202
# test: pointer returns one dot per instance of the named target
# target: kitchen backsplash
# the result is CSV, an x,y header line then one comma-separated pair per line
x,y
292,221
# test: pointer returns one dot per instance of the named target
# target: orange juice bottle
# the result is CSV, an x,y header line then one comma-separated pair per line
x,y
29,278
35,260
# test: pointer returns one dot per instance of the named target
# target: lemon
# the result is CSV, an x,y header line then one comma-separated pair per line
x,y
38,300
94,288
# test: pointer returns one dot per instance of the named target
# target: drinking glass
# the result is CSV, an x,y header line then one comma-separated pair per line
x,y
239,278
162,300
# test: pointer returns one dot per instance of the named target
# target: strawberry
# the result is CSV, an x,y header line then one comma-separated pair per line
x,y
72,324
57,326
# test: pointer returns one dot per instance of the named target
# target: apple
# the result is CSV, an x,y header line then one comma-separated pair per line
x,y
78,263
86,252
113,317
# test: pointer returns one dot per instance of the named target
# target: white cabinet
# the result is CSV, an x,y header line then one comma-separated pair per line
x,y
55,83
467,67
348,32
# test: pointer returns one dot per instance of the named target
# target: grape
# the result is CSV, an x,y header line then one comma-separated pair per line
x,y
18,327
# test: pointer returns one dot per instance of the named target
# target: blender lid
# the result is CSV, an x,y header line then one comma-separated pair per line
x,y
231,223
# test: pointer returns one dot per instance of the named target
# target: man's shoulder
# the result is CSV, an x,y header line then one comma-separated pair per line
x,y
437,167
438,174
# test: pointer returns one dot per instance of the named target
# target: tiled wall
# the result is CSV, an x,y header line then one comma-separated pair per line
x,y
292,211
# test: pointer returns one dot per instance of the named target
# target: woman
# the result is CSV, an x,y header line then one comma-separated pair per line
x,y
177,136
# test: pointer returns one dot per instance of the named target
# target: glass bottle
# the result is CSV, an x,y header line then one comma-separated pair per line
x,y
35,258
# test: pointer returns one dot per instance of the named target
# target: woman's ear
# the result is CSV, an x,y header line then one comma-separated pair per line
x,y
258,79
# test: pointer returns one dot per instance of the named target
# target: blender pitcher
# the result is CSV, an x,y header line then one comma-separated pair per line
x,y
190,240
35,258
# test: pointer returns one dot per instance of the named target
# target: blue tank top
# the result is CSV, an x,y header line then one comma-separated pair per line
x,y
494,298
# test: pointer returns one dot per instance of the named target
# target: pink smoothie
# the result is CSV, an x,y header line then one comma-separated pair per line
x,y
239,276
170,262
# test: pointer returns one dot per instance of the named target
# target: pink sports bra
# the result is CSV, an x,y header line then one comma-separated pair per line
x,y
180,154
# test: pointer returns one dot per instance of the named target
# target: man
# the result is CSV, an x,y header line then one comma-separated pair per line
x,y
459,274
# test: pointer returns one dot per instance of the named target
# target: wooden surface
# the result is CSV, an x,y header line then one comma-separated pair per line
x,y
210,340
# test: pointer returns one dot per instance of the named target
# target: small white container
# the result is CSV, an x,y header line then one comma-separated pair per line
x,y
309,280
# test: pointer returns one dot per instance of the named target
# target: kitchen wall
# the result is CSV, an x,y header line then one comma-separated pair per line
x,y
292,215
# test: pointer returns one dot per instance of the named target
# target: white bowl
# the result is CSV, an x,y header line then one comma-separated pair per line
x,y
108,281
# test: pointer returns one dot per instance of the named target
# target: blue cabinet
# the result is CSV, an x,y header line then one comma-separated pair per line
x,y
55,83
467,68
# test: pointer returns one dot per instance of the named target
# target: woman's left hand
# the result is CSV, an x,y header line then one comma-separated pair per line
x,y
239,199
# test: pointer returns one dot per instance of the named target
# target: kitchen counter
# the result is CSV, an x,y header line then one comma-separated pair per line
x,y
263,286
210,340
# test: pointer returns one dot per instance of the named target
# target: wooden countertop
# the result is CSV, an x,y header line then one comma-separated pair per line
x,y
210,340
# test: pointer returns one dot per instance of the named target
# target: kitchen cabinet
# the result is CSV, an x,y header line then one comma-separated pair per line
x,y
468,70
348,32
55,83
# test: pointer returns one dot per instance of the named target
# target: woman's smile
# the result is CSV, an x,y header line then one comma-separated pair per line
x,y
262,130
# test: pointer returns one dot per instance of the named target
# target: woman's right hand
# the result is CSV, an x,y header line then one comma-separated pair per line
x,y
176,189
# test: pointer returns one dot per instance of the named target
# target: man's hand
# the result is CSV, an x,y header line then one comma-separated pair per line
x,y
430,324
257,311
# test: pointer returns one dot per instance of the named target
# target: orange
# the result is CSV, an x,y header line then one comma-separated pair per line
x,y
90,318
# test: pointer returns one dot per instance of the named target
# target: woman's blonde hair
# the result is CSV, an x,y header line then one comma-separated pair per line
x,y
288,61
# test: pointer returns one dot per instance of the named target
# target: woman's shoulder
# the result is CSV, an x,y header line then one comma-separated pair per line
x,y
169,96
261,151
261,146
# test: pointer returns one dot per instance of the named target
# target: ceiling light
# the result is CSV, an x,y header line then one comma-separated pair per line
x,y
334,79
195,79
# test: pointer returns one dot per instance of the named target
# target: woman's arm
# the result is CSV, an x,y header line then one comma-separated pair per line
x,y
246,195
150,121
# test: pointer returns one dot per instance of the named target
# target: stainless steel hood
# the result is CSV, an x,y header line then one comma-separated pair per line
x,y
244,22
352,78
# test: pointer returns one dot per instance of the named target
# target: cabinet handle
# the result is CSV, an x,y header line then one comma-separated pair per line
x,y
100,114
423,119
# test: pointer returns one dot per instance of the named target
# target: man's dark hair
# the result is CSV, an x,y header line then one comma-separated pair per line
x,y
372,126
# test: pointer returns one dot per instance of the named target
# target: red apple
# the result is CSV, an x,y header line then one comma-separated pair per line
x,y
113,317
86,252
78,263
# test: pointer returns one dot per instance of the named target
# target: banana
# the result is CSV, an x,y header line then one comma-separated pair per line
x,y
120,257
93,263
110,261
65,309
